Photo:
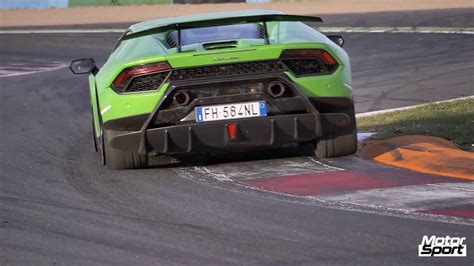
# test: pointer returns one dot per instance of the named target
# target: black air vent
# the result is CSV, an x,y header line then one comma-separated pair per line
x,y
258,67
220,45
306,67
261,31
147,82
171,41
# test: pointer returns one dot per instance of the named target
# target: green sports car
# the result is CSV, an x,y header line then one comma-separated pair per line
x,y
220,82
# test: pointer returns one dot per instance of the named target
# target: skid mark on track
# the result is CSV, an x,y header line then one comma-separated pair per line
x,y
218,176
24,67
249,170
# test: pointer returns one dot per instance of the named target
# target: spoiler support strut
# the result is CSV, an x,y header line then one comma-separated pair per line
x,y
178,44
265,33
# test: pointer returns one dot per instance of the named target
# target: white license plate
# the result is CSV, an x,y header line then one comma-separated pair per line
x,y
230,111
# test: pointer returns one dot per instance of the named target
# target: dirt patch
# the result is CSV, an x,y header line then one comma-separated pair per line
x,y
423,154
115,14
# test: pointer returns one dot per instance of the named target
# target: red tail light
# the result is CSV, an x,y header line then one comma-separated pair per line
x,y
309,61
123,79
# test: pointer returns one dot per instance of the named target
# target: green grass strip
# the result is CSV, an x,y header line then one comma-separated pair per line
x,y
451,120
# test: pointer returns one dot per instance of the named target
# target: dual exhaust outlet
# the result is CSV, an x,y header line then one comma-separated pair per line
x,y
275,89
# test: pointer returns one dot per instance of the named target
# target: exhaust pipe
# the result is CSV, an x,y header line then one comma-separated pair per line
x,y
182,98
275,89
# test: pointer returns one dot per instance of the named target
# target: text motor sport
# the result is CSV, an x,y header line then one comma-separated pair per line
x,y
442,247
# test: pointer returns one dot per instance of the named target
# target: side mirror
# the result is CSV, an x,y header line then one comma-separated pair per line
x,y
337,39
83,66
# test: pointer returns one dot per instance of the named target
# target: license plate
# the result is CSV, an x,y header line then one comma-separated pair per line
x,y
230,111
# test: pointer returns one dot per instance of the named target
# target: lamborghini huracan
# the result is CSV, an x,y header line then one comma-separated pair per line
x,y
220,82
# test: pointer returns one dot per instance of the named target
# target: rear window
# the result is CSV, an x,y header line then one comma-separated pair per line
x,y
161,43
218,33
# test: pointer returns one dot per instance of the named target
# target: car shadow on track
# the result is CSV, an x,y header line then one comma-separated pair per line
x,y
205,159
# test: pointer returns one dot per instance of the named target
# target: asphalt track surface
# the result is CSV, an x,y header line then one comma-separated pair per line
x,y
59,205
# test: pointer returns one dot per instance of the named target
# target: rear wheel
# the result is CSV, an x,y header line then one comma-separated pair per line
x,y
118,159
334,144
337,146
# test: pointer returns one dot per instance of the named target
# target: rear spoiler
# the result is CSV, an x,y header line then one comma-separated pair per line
x,y
219,22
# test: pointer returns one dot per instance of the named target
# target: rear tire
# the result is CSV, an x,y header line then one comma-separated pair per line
x,y
118,159
335,145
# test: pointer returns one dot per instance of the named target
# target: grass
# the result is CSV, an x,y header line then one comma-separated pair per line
x,y
450,120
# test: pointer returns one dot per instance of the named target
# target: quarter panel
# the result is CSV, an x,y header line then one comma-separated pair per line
x,y
114,105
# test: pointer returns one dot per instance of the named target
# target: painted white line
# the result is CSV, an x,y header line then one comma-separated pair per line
x,y
409,107
325,165
61,31
440,30
458,186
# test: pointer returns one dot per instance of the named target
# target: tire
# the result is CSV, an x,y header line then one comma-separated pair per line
x,y
118,159
334,145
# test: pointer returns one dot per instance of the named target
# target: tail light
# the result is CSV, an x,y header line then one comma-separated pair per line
x,y
309,61
124,81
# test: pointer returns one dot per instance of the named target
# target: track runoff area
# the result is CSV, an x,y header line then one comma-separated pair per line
x,y
343,183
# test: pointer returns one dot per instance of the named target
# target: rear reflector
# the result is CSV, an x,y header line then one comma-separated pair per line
x,y
232,130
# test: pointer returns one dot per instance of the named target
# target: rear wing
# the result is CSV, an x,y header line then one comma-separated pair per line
x,y
219,22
